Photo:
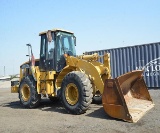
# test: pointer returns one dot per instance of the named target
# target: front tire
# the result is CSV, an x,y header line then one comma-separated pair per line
x,y
76,92
28,95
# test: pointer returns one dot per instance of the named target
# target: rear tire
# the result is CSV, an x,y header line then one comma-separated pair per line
x,y
97,99
76,92
28,95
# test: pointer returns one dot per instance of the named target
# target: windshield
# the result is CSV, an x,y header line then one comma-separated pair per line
x,y
65,44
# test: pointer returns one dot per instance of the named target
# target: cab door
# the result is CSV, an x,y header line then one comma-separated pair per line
x,y
50,58
47,54
43,64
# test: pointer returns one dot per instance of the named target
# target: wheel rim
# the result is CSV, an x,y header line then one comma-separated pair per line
x,y
25,92
71,94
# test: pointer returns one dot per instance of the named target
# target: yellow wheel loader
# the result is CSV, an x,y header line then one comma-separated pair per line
x,y
60,74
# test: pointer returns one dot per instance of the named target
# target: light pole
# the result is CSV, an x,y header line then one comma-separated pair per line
x,y
4,70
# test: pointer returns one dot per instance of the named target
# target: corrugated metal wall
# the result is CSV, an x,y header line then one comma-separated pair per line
x,y
126,59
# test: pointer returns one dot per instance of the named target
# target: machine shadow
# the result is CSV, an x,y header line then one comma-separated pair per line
x,y
14,105
101,114
45,105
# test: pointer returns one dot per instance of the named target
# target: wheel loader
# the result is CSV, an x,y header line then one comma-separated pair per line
x,y
75,80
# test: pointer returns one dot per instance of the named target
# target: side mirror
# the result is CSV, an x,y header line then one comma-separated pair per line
x,y
74,40
28,45
49,36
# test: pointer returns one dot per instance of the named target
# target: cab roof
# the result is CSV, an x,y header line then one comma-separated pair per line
x,y
54,30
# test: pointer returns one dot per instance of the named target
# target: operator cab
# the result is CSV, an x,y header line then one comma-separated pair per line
x,y
55,44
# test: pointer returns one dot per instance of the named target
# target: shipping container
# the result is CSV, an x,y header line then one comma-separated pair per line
x,y
125,59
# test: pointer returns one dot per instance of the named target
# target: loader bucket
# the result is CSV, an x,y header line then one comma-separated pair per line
x,y
126,97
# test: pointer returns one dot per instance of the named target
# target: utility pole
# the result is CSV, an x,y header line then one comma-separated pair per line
x,y
4,70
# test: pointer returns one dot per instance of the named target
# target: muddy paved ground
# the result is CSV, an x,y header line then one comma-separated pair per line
x,y
51,117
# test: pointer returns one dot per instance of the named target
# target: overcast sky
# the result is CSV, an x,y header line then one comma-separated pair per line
x,y
97,24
